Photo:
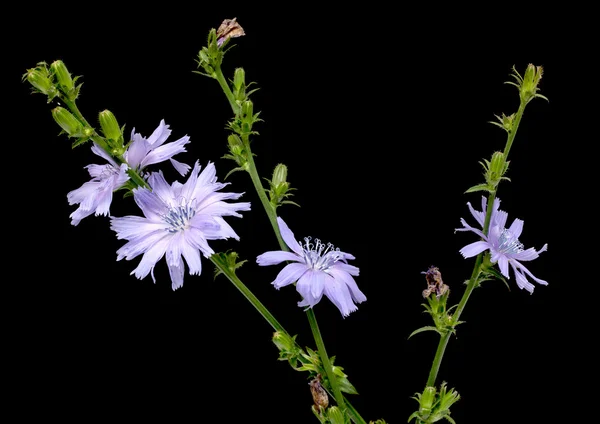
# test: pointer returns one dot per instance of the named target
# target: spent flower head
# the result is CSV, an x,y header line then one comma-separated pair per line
x,y
318,269
178,221
503,244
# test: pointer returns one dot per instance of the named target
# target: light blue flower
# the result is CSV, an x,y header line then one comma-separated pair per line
x,y
95,196
503,244
147,151
178,221
318,269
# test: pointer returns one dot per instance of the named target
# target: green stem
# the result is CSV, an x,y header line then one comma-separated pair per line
x,y
263,196
515,126
218,75
248,295
274,323
273,219
439,354
337,393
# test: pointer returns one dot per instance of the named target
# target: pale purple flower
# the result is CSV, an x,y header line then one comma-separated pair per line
x,y
503,244
147,151
95,196
178,221
317,268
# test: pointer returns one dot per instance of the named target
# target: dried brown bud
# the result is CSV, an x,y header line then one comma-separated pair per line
x,y
434,282
229,28
319,394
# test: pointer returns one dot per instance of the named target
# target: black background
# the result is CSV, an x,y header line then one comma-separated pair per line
x,y
381,116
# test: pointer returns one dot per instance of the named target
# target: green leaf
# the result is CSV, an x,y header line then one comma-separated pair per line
x,y
478,187
426,328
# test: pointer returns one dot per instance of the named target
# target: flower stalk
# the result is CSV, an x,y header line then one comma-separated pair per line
x,y
252,171
478,267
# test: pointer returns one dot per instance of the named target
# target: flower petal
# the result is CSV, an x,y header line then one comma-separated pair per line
x,y
165,152
150,258
516,228
473,249
347,279
289,274
276,257
176,273
304,287
160,134
180,167
339,294
289,238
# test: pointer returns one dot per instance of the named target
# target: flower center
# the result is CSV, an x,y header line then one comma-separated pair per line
x,y
508,243
179,216
318,255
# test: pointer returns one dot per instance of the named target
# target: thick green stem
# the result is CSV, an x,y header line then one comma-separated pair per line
x,y
273,219
439,354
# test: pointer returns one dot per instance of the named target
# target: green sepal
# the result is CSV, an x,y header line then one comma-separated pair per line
x,y
228,260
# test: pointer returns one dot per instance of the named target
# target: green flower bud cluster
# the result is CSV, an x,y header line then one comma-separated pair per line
x,y
53,80
211,56
433,405
245,119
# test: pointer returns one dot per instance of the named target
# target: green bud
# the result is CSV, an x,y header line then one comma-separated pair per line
x,y
283,341
447,399
63,76
427,399
335,415
498,165
40,79
110,126
239,78
67,122
247,109
279,175
531,79
236,147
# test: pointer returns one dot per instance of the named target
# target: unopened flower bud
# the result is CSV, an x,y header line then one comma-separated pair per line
x,y
427,399
335,415
279,175
110,126
247,108
531,79
498,165
283,341
239,78
67,122
40,79
236,146
63,76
